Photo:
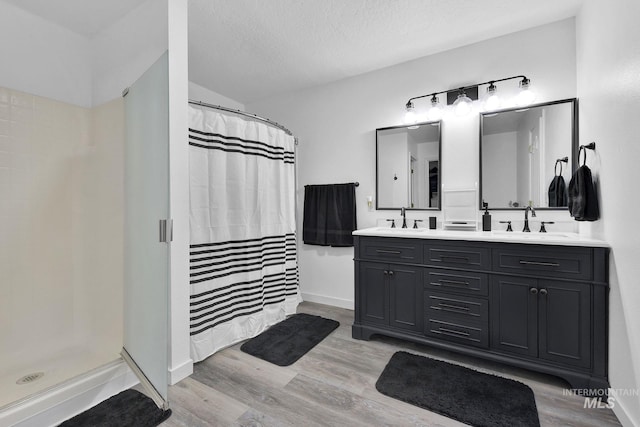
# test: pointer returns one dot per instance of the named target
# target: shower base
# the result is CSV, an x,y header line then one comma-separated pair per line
x,y
73,381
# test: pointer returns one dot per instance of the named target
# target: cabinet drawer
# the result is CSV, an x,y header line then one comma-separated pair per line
x,y
569,262
463,334
390,249
457,281
445,254
460,309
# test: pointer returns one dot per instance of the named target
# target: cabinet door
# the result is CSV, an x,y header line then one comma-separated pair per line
x,y
405,300
374,291
564,324
514,318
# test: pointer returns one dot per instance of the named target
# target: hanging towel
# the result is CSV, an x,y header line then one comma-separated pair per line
x,y
583,201
557,192
329,214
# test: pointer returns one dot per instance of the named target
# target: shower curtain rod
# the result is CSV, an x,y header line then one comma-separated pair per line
x,y
242,113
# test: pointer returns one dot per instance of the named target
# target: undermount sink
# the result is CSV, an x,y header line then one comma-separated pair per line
x,y
400,230
534,236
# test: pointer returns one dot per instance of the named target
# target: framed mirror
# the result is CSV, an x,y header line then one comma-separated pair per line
x,y
408,170
528,155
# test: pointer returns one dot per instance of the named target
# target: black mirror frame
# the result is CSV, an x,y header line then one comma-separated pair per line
x,y
574,146
378,208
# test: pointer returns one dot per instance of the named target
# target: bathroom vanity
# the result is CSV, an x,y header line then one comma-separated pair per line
x,y
530,300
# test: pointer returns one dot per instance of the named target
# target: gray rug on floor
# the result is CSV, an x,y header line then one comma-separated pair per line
x,y
127,409
457,392
287,341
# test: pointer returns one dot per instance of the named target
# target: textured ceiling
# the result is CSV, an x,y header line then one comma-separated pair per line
x,y
85,17
253,49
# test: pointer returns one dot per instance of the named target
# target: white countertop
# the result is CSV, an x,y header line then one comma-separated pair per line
x,y
551,238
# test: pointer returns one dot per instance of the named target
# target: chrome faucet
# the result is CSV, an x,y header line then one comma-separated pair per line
x,y
403,212
526,218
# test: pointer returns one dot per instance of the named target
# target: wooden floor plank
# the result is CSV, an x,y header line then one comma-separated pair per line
x,y
334,385
259,393
196,404
360,410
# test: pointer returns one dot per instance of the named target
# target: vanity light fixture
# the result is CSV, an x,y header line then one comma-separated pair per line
x,y
410,115
462,104
435,112
526,95
492,100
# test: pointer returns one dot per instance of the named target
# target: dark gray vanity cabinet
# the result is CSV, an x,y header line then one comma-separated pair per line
x,y
540,307
390,295
456,306
543,319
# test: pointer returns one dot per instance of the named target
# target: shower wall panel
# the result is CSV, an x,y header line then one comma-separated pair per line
x,y
60,228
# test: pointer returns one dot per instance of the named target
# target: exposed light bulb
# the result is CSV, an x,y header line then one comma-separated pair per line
x,y
492,100
462,105
435,112
526,95
410,116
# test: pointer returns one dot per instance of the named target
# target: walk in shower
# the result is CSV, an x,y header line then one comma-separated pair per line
x,y
61,245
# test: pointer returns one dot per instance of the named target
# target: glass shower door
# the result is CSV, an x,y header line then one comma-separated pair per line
x,y
146,281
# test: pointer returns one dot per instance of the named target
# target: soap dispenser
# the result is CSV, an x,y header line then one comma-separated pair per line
x,y
486,218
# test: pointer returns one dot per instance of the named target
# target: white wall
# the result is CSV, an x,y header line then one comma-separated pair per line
x,y
50,61
608,57
555,129
42,58
180,362
125,50
336,124
200,93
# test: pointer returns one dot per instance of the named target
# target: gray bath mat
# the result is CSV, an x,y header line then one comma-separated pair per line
x,y
287,341
457,392
127,409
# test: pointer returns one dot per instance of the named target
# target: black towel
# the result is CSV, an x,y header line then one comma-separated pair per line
x,y
583,201
329,214
557,192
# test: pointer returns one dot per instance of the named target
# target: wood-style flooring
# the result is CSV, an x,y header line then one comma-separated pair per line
x,y
334,385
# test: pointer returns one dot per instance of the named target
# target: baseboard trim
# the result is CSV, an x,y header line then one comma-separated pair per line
x,y
624,416
181,372
322,299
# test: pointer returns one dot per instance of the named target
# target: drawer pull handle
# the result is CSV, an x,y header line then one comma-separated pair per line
x,y
383,251
455,307
460,259
544,264
450,282
457,333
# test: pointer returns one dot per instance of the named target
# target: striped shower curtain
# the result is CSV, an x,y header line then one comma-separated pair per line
x,y
243,263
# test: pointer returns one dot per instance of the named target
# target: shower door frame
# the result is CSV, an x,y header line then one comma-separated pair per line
x,y
147,231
